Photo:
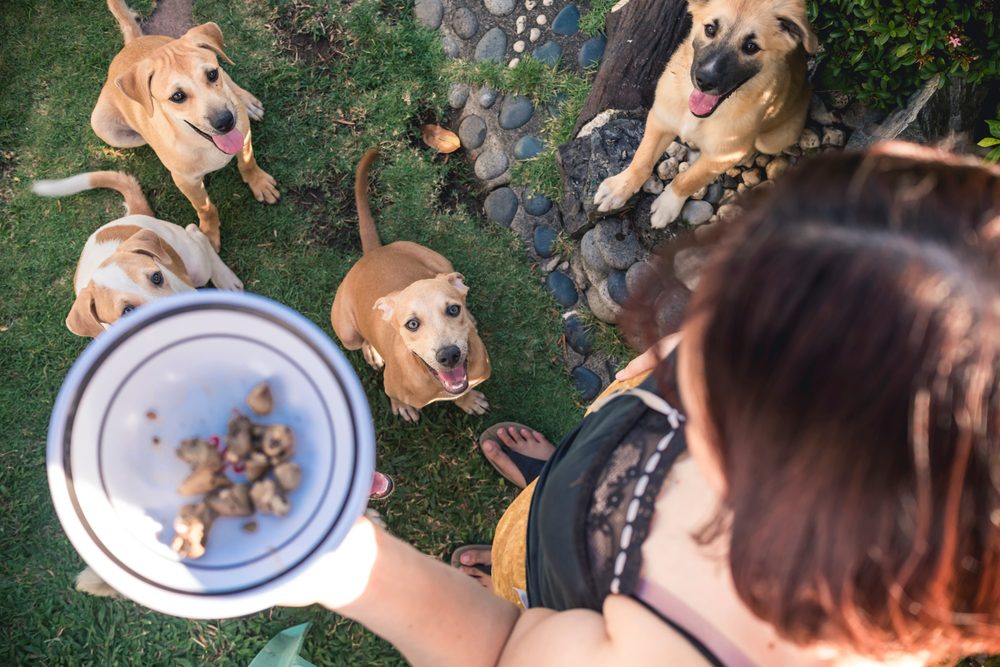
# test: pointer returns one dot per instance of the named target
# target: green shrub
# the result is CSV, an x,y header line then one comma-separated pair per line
x,y
881,51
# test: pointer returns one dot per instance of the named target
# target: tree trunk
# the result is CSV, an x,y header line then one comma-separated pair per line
x,y
642,36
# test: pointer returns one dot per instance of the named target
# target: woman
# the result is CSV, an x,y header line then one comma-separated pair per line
x,y
812,480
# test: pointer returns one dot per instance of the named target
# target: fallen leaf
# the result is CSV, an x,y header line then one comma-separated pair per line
x,y
440,139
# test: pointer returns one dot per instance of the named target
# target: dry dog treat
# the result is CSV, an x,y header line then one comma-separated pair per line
x,y
260,451
288,475
260,400
231,501
201,481
278,442
239,439
200,454
268,499
256,466
191,530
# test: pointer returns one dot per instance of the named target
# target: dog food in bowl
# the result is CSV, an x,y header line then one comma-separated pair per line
x,y
260,452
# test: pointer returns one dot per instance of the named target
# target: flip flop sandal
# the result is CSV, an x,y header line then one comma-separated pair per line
x,y
528,466
382,486
482,567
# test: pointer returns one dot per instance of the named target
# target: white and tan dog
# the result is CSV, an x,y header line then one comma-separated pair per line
x,y
134,259
403,305
172,94
738,83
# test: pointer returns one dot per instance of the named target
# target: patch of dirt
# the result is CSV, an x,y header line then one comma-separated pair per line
x,y
329,210
461,189
170,17
307,34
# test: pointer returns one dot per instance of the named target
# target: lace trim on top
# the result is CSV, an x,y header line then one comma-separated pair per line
x,y
632,479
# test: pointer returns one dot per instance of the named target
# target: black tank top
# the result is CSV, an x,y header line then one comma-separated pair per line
x,y
593,503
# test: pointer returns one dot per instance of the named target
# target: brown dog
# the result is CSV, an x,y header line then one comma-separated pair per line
x,y
172,95
738,83
404,306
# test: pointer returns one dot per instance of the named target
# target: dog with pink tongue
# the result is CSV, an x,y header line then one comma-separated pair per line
x,y
737,84
172,94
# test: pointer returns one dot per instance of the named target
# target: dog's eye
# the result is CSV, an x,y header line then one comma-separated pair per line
x,y
413,324
710,29
127,309
213,74
156,278
750,47
178,97
453,310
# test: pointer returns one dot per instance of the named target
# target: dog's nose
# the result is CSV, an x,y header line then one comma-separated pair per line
x,y
708,75
449,356
223,121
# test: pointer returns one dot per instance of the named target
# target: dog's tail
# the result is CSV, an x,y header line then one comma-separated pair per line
x,y
135,201
369,235
126,19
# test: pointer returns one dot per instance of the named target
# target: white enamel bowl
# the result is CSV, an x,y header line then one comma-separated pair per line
x,y
177,368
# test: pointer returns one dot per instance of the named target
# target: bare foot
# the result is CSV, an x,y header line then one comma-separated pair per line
x,y
524,441
470,558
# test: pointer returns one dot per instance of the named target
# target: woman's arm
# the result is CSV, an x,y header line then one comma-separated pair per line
x,y
438,617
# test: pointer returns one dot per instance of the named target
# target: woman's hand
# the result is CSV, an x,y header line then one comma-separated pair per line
x,y
648,360
339,577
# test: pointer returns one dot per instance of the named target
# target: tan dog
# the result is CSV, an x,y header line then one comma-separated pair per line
x,y
738,83
172,94
404,306
134,259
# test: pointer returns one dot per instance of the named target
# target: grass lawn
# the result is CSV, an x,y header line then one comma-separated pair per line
x,y
334,81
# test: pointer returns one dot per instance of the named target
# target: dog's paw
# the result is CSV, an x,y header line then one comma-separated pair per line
x,y
405,412
263,186
614,192
372,356
253,106
88,582
474,403
666,208
212,234
227,280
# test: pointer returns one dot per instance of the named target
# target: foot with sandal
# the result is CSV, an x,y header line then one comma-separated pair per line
x,y
518,453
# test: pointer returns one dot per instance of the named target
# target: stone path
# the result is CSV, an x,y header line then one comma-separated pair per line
x,y
607,256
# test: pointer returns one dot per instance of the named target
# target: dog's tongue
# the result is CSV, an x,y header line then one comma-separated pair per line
x,y
702,104
229,143
455,379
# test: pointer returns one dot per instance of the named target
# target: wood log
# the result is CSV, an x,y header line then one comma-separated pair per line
x,y
642,36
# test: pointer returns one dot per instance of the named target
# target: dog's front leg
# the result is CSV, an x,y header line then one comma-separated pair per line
x,y
703,171
615,191
405,412
473,402
254,107
212,265
261,183
208,215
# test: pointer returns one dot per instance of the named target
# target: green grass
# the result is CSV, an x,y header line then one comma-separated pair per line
x,y
596,18
384,76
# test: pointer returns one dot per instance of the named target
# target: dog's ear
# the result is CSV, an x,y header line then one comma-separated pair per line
x,y
82,319
144,242
797,27
137,84
386,305
208,36
456,280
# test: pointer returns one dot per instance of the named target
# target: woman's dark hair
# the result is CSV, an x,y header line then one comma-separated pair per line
x,y
849,331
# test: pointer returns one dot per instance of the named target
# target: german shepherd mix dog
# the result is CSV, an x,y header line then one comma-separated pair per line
x,y
737,84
